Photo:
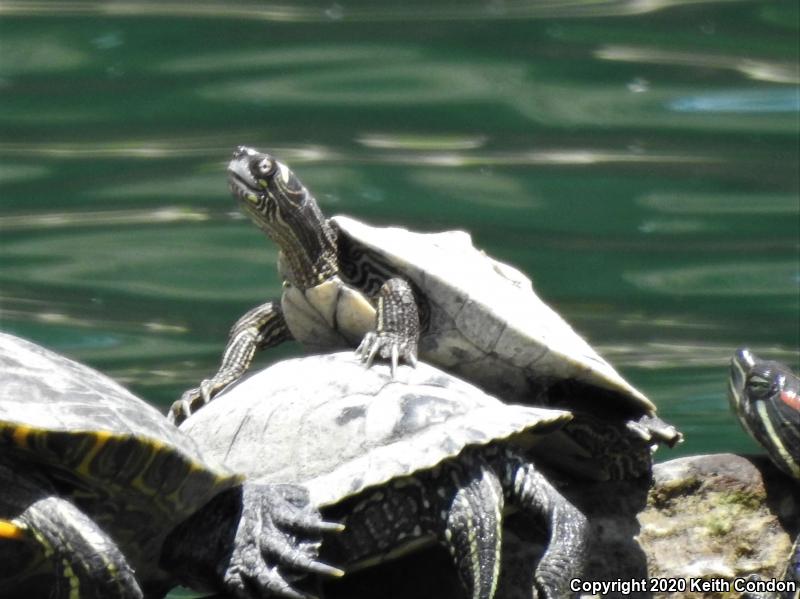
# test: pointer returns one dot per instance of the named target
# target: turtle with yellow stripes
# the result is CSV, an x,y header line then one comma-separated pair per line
x,y
765,395
101,497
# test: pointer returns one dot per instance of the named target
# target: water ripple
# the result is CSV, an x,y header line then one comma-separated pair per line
x,y
762,101
725,279
100,218
760,70
409,11
719,203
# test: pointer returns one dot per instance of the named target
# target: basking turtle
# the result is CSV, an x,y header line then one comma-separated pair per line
x,y
399,293
401,461
102,497
765,396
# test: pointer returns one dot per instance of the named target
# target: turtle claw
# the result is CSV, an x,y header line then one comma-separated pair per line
x,y
191,401
300,518
389,346
368,349
196,398
178,412
395,358
207,391
272,542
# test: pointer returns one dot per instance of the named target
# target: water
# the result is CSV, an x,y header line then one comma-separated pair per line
x,y
638,159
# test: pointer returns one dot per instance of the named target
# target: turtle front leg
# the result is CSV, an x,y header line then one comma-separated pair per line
x,y
261,327
397,326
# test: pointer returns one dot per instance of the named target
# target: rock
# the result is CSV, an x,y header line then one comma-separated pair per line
x,y
718,517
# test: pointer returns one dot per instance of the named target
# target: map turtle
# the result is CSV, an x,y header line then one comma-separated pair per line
x,y
402,460
399,294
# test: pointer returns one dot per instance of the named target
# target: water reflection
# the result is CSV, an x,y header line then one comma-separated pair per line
x,y
740,101
152,148
192,185
20,310
760,70
21,172
293,57
719,203
665,355
736,278
419,142
511,84
39,54
105,218
678,226
397,148
159,262
482,188
397,81
352,11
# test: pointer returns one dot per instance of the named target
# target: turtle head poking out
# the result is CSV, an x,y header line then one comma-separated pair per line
x,y
765,395
275,200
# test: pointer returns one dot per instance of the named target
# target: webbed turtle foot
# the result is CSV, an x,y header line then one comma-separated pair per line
x,y
277,543
254,541
390,346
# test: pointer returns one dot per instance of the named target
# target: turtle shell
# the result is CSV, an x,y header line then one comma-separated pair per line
x,y
114,455
340,428
481,318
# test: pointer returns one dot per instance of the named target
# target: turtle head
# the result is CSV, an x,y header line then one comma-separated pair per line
x,y
754,380
765,395
275,200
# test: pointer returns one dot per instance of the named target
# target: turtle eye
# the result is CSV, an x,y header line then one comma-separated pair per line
x,y
262,168
759,386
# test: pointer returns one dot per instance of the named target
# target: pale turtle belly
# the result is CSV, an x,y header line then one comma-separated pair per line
x,y
330,315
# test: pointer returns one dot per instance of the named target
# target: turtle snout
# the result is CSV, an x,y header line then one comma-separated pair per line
x,y
741,363
745,357
242,151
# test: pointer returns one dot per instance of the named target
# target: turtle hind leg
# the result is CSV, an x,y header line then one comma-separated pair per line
x,y
88,563
397,326
473,521
263,326
250,541
568,527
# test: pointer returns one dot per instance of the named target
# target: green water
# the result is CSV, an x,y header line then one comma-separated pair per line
x,y
638,160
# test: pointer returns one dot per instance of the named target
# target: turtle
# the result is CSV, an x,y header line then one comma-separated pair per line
x,y
401,459
395,293
765,396
100,496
